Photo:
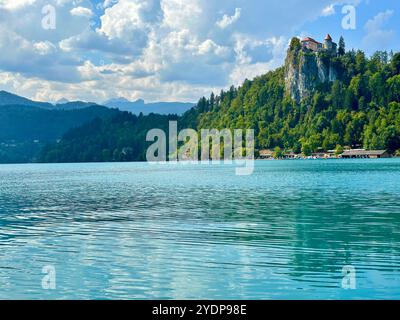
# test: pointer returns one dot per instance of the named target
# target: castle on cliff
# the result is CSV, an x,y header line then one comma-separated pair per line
x,y
315,46
304,71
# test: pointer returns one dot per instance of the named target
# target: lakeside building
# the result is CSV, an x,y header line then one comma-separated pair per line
x,y
321,155
331,154
266,154
291,155
366,154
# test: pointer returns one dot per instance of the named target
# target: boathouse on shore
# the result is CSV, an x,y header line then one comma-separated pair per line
x,y
266,154
361,153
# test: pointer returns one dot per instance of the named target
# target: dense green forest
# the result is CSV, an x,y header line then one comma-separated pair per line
x,y
23,123
121,138
360,109
25,129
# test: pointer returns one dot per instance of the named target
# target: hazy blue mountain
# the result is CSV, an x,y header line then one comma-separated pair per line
x,y
26,129
62,101
140,106
74,105
24,123
10,99
7,98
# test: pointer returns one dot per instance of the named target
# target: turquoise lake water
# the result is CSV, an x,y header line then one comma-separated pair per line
x,y
141,231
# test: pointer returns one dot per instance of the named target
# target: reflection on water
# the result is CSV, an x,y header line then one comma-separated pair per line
x,y
139,231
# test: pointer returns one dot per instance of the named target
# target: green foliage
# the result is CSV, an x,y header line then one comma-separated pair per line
x,y
278,153
26,129
339,150
295,44
121,138
306,149
342,47
360,109
25,123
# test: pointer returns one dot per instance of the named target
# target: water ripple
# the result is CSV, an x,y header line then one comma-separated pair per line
x,y
134,231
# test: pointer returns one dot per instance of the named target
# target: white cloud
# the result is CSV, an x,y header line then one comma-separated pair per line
x,y
130,18
182,14
44,47
329,10
108,3
226,20
15,4
36,59
82,12
255,57
210,47
151,49
378,21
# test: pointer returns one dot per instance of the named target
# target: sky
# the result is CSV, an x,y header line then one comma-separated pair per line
x,y
170,50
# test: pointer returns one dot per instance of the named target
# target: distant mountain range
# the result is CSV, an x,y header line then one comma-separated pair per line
x,y
9,99
135,107
27,126
140,106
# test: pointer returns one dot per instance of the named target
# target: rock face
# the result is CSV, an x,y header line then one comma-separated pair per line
x,y
304,70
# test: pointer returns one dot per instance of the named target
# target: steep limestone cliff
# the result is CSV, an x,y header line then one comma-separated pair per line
x,y
304,70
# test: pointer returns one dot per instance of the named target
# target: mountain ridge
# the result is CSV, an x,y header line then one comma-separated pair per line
x,y
136,107
8,98
140,106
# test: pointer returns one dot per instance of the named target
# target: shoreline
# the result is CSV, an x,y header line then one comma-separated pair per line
x,y
186,162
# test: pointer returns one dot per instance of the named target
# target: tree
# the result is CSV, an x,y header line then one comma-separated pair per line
x,y
295,44
394,88
337,95
318,102
306,149
212,100
395,64
361,62
350,102
339,150
342,47
278,153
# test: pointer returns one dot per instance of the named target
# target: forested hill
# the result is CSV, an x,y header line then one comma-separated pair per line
x,y
361,108
25,129
23,123
358,107
121,138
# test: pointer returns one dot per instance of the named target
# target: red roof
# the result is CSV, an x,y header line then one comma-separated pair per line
x,y
328,37
310,40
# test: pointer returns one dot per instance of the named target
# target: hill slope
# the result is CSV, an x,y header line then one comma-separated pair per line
x,y
361,108
25,129
358,107
121,138
7,98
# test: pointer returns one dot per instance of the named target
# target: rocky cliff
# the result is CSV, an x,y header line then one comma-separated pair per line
x,y
305,70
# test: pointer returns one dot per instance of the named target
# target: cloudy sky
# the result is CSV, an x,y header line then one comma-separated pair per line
x,y
168,50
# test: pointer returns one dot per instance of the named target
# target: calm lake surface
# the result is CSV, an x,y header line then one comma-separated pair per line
x,y
141,231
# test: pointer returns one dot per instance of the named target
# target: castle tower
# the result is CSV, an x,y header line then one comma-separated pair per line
x,y
329,45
